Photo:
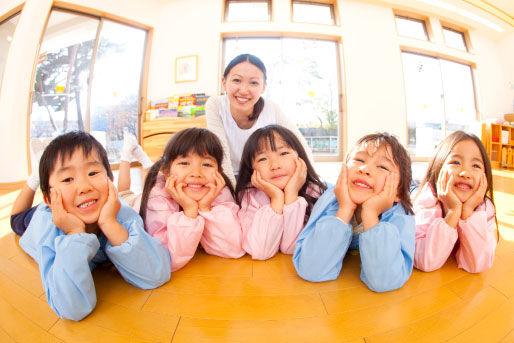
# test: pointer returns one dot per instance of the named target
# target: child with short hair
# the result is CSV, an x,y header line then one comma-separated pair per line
x,y
276,189
83,223
368,209
454,207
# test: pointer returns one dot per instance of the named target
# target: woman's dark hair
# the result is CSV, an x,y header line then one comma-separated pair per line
x,y
61,148
442,152
265,136
400,157
193,140
256,61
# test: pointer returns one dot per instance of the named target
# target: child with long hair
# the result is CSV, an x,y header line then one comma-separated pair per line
x,y
187,199
368,209
276,188
455,205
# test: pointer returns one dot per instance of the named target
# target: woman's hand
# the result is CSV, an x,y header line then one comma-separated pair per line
x,y
66,222
346,205
296,182
273,192
468,207
176,191
214,190
451,204
381,202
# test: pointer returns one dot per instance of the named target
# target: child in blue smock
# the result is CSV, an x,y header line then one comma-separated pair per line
x,y
83,223
368,209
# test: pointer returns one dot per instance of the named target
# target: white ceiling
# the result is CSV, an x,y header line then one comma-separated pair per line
x,y
506,6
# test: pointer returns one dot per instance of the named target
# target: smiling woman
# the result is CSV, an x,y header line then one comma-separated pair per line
x,y
233,117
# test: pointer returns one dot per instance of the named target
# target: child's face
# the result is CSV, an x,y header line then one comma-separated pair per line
x,y
466,165
196,172
244,85
368,168
83,183
276,167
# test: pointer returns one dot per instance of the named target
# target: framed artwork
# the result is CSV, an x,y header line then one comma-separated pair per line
x,y
186,68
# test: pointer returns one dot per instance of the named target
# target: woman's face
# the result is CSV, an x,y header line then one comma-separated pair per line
x,y
244,85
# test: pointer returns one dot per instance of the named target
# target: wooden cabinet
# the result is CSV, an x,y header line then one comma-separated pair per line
x,y
157,132
496,138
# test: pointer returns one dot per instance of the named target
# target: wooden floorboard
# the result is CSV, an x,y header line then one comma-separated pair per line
x,y
221,300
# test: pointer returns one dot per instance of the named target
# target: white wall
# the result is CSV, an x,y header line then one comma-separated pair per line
x,y
372,73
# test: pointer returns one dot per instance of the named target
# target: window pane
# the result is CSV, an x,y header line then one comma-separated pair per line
x,y
61,81
412,28
247,11
454,39
7,28
312,13
115,90
459,96
423,93
303,80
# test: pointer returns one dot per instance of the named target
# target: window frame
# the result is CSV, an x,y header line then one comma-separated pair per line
x,y
463,33
422,158
101,17
342,120
6,17
328,4
227,5
417,19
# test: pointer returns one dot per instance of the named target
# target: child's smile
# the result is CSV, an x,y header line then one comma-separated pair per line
x,y
368,170
195,172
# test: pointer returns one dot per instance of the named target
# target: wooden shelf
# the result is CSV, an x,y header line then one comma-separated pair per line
x,y
495,138
157,132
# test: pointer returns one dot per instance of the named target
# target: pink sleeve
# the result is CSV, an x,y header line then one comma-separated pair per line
x,y
435,239
477,236
294,219
179,233
222,235
262,227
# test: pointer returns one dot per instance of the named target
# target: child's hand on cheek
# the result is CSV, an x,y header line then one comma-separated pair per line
x,y
468,207
451,203
296,182
214,190
107,222
346,205
381,202
110,209
176,191
66,222
275,194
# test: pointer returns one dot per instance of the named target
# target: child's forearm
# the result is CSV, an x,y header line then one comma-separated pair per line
x,y
24,200
115,233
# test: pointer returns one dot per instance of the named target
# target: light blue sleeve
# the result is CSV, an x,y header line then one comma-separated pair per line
x,y
63,264
387,250
142,260
323,243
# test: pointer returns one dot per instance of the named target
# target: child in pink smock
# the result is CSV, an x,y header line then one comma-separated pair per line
x,y
454,208
187,199
276,188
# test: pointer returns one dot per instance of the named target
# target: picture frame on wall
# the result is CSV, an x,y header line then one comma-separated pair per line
x,y
186,68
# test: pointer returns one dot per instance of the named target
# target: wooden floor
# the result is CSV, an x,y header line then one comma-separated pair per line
x,y
219,300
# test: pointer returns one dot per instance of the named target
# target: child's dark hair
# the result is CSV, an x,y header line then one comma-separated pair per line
x,y
256,61
442,152
266,135
400,157
62,147
193,140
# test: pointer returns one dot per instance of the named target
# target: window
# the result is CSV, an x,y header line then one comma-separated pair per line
x,y
440,99
241,10
6,34
454,39
410,27
312,12
301,78
88,78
